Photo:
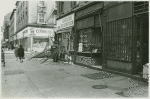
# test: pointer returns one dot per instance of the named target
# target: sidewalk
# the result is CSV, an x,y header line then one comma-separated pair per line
x,y
57,80
12,52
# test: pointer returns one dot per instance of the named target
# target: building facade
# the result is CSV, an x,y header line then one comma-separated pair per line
x,y
107,35
65,27
12,28
125,36
6,29
33,31
88,33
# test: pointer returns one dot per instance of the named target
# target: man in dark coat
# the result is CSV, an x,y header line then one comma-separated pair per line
x,y
21,53
55,53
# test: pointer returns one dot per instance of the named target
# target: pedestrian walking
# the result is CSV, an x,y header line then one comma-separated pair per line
x,y
54,53
21,53
16,52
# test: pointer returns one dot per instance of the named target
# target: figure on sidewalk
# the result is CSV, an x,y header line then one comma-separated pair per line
x,y
16,52
55,53
21,53
69,58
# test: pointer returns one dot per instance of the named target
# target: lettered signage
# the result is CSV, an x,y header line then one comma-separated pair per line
x,y
65,22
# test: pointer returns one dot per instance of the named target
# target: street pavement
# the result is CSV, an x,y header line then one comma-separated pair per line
x,y
31,79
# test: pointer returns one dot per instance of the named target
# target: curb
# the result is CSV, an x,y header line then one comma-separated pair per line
x,y
116,72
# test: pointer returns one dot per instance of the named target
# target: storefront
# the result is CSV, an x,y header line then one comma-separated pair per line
x,y
65,34
125,39
89,35
141,34
34,39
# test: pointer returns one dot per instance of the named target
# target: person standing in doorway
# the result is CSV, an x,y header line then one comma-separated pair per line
x,y
16,52
21,53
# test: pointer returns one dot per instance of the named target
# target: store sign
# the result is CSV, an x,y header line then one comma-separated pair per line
x,y
25,33
41,32
65,22
31,31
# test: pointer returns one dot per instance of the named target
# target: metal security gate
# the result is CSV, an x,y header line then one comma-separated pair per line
x,y
118,39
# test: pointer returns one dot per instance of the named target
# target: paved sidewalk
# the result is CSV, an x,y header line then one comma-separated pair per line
x,y
57,80
12,52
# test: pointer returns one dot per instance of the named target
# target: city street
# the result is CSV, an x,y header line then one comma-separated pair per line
x,y
31,79
91,49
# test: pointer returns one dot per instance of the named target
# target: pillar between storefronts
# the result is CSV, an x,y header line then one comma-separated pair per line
x,y
31,44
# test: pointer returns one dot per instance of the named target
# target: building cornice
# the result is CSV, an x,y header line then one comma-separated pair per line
x,y
75,9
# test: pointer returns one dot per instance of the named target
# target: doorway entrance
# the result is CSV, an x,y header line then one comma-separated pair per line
x,y
142,41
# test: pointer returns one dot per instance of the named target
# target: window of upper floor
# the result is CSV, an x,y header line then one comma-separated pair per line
x,y
42,4
41,18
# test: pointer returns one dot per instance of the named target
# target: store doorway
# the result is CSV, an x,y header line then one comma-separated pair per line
x,y
145,40
142,41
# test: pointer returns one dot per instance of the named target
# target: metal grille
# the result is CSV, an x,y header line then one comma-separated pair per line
x,y
118,39
141,7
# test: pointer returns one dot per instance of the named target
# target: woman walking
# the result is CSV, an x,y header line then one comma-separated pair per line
x,y
21,53
16,52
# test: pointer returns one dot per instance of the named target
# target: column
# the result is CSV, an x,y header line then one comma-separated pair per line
x,y
31,43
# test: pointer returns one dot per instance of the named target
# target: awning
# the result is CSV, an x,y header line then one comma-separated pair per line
x,y
65,30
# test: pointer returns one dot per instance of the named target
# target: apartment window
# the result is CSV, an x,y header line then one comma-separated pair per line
x,y
42,3
61,6
41,17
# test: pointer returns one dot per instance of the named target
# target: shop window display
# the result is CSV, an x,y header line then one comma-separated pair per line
x,y
39,42
89,41
65,43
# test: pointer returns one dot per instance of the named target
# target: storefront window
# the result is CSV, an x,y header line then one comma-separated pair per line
x,y
65,41
89,41
39,42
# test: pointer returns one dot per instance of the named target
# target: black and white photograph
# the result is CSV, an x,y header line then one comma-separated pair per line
x,y
74,49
